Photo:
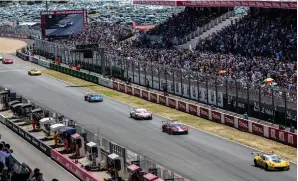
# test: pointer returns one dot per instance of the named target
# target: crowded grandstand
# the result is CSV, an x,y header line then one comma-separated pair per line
x,y
256,45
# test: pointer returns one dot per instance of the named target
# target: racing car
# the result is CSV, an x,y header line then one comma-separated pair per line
x,y
174,127
1,58
140,113
270,161
92,97
34,72
70,23
7,61
63,25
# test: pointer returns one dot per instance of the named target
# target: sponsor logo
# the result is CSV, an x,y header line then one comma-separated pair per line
x,y
273,133
115,85
34,141
153,97
42,147
252,3
122,87
182,106
21,132
216,116
129,89
172,103
258,129
281,136
15,128
276,5
28,137
78,173
162,100
204,112
137,92
192,109
243,124
291,139
229,120
69,166
144,94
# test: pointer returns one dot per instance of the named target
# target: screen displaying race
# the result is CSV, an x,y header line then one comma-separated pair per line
x,y
62,23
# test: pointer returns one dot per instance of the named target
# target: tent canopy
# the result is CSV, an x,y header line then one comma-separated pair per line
x,y
55,127
150,177
133,168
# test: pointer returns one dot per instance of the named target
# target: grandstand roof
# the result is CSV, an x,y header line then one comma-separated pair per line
x,y
288,4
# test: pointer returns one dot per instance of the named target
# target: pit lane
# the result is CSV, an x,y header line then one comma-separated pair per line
x,y
197,156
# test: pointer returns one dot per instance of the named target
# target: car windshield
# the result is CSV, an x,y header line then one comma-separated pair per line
x,y
273,158
177,125
93,95
141,111
34,70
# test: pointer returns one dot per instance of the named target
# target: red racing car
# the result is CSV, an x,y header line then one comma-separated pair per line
x,y
7,61
173,127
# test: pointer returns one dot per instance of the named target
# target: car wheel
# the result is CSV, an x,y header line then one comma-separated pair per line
x,y
186,132
170,132
266,167
130,115
256,163
162,129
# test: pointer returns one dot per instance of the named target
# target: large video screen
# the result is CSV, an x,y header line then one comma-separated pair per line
x,y
62,23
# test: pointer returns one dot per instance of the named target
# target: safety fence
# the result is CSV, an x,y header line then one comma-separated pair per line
x,y
256,128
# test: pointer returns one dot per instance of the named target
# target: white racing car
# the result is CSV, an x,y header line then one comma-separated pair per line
x,y
62,25
1,58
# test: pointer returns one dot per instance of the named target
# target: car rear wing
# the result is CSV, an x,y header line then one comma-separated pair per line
x,y
261,152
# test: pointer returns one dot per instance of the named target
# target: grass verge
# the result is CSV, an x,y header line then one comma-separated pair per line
x,y
203,124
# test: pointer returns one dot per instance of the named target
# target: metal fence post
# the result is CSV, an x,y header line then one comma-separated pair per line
x,y
139,69
158,72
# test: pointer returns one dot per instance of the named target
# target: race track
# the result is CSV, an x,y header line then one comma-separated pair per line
x,y
198,156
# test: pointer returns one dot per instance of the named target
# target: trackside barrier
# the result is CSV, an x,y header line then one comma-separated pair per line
x,y
71,167
14,35
265,131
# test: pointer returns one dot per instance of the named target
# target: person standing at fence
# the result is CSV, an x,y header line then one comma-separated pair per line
x,y
56,138
33,124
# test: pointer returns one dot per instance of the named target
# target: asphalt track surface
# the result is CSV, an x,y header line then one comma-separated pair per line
x,y
26,153
78,25
198,156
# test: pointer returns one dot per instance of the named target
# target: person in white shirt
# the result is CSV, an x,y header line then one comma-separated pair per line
x,y
4,153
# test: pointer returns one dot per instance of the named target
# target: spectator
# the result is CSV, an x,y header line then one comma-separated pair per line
x,y
4,153
18,176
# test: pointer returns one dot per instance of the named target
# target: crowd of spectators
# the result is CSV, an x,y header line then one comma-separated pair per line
x,y
218,52
261,38
186,22
106,34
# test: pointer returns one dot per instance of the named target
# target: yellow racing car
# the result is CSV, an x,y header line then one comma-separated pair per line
x,y
271,162
34,72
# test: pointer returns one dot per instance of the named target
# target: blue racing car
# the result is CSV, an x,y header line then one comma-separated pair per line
x,y
92,97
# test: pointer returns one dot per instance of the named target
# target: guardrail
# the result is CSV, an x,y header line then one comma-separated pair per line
x,y
12,35
265,131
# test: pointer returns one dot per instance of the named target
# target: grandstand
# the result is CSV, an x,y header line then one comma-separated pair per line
x,y
224,42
